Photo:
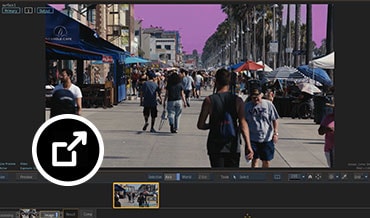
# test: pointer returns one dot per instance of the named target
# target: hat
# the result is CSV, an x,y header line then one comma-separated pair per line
x,y
255,92
151,75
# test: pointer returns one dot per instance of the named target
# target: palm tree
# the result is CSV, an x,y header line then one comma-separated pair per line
x,y
330,35
309,47
288,36
297,34
279,12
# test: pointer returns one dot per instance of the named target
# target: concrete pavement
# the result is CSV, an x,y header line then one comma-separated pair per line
x,y
126,145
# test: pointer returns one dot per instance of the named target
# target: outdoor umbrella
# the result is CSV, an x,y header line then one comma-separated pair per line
x,y
325,62
249,65
235,66
284,73
308,88
134,60
266,69
317,74
118,188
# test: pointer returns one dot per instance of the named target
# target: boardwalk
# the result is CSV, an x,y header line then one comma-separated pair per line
x,y
126,145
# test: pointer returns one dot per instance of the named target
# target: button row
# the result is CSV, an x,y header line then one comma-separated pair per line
x,y
27,10
254,176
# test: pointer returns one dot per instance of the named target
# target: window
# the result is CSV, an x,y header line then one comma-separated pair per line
x,y
172,170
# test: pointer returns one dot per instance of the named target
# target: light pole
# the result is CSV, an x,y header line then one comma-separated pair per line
x,y
140,38
263,38
231,44
241,41
254,33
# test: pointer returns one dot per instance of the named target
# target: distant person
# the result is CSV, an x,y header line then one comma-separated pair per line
x,y
269,94
87,76
262,118
149,93
188,83
141,200
66,83
117,203
327,128
212,110
134,80
233,81
199,81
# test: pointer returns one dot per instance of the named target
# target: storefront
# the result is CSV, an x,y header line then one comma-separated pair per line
x,y
67,39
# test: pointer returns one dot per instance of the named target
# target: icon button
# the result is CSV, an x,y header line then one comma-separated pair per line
x,y
67,150
28,10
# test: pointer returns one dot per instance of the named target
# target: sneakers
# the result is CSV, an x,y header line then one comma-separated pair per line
x,y
153,130
173,129
145,126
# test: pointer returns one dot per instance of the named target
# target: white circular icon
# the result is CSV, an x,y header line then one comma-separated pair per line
x,y
85,136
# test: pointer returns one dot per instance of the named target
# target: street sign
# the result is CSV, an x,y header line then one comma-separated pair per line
x,y
299,52
289,50
274,46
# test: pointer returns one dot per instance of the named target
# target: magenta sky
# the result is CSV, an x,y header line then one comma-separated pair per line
x,y
197,22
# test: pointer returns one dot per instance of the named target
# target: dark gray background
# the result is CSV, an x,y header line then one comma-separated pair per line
x,y
22,112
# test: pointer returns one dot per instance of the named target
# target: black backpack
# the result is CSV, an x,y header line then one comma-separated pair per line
x,y
62,102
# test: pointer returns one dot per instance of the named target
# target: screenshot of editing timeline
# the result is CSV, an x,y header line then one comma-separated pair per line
x,y
34,182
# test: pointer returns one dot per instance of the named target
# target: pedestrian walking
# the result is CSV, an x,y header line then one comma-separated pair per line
x,y
262,118
175,99
188,83
327,128
141,200
199,81
213,107
233,81
149,94
65,77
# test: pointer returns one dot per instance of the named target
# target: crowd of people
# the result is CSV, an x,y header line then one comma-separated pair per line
x,y
255,119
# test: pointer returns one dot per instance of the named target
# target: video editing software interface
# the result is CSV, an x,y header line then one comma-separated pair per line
x,y
106,162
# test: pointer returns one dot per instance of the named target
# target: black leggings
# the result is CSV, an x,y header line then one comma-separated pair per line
x,y
225,160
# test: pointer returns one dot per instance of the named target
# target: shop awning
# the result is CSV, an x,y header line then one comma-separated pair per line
x,y
59,51
72,36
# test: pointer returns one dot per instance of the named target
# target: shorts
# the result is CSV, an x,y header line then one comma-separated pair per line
x,y
152,111
263,150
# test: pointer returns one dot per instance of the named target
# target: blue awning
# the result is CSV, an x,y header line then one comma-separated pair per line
x,y
63,52
65,31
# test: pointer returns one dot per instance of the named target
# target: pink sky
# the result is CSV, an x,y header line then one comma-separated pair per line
x,y
197,22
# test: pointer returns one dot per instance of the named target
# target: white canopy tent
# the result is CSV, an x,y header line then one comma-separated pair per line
x,y
325,62
266,67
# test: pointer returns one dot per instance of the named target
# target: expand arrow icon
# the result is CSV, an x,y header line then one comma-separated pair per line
x,y
81,137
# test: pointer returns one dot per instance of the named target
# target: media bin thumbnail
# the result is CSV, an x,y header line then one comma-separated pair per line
x,y
136,195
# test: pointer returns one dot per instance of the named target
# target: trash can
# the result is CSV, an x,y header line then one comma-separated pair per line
x,y
319,107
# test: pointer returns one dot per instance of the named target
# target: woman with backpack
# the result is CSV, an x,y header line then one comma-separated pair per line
x,y
224,150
